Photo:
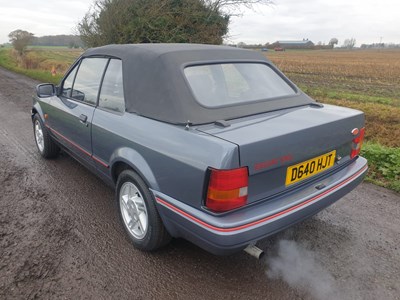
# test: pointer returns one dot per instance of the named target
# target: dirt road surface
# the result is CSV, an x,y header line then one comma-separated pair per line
x,y
60,237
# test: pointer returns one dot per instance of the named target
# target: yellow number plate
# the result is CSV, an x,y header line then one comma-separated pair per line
x,y
310,167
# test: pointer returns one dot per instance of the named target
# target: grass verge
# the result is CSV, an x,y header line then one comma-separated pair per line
x,y
384,163
41,63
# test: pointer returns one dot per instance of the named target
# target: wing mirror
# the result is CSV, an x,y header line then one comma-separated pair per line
x,y
45,90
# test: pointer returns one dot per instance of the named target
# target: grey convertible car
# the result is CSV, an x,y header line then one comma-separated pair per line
x,y
208,143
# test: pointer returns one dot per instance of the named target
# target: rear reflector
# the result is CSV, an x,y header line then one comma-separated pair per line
x,y
357,143
227,189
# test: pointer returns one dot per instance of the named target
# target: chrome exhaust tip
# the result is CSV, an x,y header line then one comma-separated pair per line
x,y
254,251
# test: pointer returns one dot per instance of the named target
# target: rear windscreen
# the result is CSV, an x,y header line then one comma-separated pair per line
x,y
217,85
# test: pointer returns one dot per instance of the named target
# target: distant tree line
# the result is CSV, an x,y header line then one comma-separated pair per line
x,y
306,44
379,45
72,41
300,44
21,39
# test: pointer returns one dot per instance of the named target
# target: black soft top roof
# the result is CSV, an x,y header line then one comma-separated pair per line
x,y
155,85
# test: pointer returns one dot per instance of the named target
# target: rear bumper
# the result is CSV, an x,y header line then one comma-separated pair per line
x,y
229,233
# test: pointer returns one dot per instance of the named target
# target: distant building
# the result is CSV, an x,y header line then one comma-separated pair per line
x,y
304,44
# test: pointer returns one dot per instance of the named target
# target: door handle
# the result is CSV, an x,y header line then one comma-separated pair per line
x,y
83,119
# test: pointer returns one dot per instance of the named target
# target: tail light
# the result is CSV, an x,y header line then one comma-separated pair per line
x,y
227,189
357,143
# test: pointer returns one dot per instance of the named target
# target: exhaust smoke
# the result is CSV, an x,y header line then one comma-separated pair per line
x,y
298,267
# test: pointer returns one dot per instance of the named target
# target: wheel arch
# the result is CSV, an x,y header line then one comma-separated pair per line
x,y
36,109
127,158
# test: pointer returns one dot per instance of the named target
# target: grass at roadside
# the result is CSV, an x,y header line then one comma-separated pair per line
x,y
384,165
38,63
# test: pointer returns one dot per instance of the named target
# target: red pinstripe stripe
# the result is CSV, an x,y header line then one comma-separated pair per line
x,y
78,147
230,229
98,160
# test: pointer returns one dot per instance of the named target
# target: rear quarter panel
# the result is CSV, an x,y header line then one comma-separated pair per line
x,y
170,158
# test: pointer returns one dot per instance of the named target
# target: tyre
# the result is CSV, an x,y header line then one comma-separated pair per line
x,y
46,146
138,213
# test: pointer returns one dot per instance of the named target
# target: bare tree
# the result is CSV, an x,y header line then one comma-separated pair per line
x,y
349,43
20,39
221,4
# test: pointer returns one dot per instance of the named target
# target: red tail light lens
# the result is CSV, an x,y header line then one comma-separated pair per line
x,y
227,189
357,143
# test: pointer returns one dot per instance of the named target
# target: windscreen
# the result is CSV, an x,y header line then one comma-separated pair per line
x,y
217,85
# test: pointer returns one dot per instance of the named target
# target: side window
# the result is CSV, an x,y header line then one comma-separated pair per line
x,y
67,87
112,89
87,81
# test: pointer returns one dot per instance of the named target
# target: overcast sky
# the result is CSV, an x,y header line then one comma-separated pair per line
x,y
368,21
